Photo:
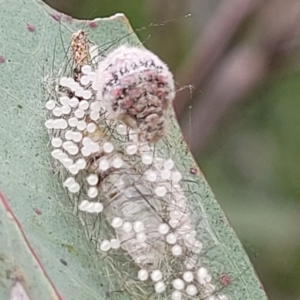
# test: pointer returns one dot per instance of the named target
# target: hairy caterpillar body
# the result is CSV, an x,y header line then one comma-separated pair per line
x,y
136,88
104,122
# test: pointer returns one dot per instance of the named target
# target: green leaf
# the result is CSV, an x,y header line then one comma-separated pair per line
x,y
19,260
34,45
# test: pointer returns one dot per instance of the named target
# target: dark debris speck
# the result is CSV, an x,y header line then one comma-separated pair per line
x,y
63,262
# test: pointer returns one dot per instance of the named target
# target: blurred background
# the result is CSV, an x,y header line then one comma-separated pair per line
x,y
237,69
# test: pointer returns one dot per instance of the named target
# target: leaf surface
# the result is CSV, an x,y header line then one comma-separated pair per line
x,y
34,43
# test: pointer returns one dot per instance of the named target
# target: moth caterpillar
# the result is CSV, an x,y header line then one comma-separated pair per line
x,y
136,87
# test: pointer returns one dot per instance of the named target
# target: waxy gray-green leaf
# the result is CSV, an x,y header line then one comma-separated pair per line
x,y
34,44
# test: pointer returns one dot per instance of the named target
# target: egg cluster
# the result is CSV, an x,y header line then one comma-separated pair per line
x,y
103,123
